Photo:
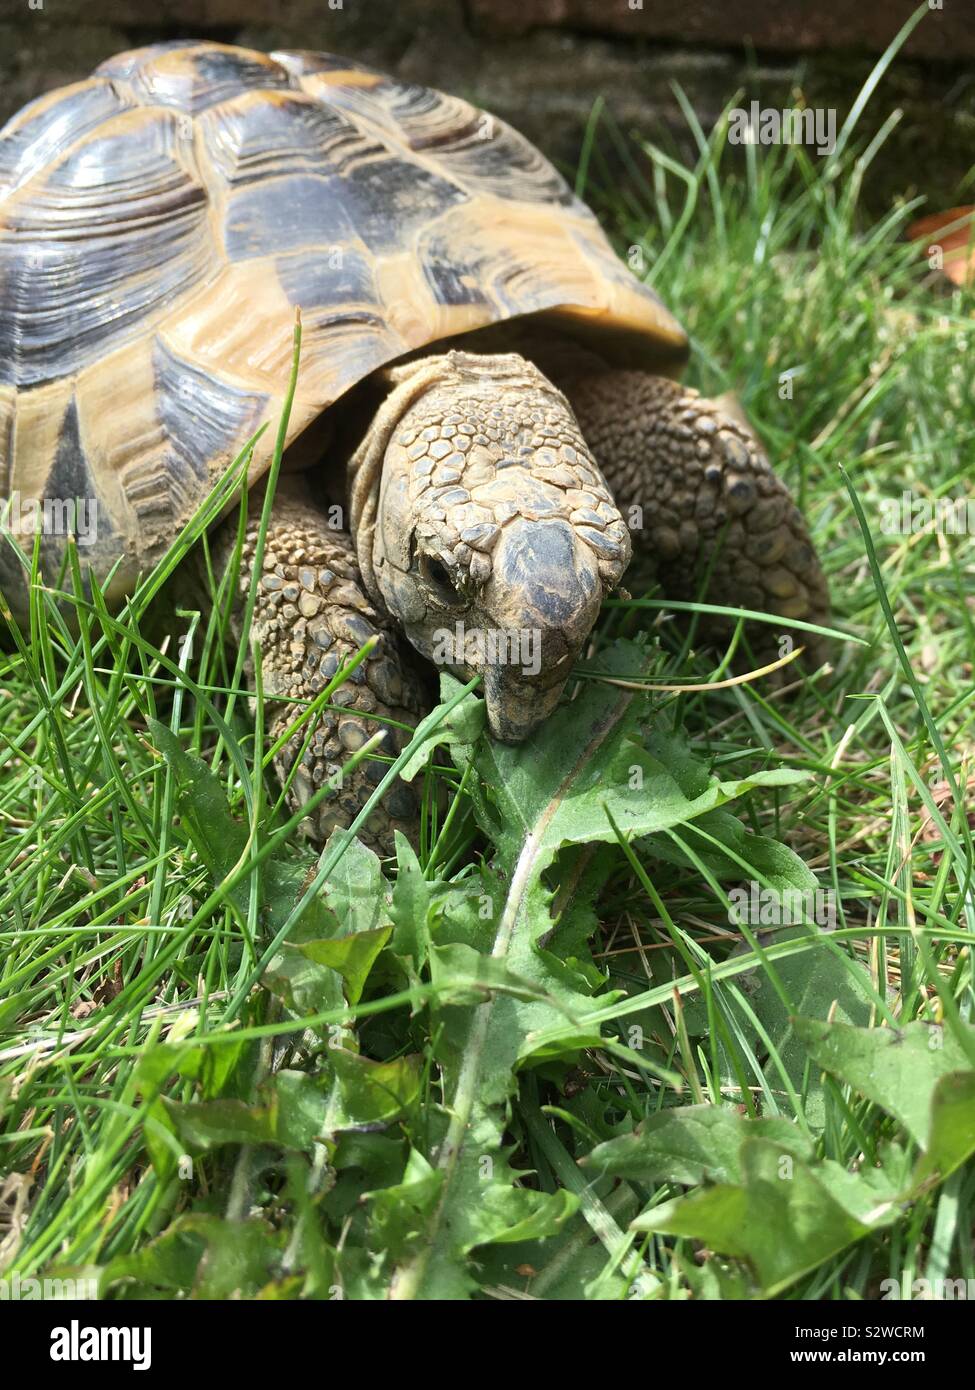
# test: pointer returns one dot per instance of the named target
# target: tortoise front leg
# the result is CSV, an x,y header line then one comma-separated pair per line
x,y
699,495
310,617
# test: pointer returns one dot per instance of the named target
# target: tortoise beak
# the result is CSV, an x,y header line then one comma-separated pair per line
x,y
545,590
515,708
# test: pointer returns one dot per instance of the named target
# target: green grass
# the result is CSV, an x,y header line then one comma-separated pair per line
x,y
149,879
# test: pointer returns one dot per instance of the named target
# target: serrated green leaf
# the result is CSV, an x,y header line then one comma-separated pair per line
x,y
769,860
410,906
397,1213
356,890
290,1113
305,986
167,1264
692,1144
818,985
352,957
239,1258
506,1217
586,768
369,1092
785,1218
212,1257
896,1068
209,1124
463,724
715,1280
300,1108
950,1139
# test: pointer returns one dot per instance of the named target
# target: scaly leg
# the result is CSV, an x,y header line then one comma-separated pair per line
x,y
311,616
701,494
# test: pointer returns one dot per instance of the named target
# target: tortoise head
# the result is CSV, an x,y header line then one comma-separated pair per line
x,y
484,525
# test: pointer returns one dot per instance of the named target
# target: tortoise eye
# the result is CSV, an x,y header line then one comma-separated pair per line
x,y
436,574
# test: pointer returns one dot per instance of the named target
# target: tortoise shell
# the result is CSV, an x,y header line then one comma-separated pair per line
x,y
161,222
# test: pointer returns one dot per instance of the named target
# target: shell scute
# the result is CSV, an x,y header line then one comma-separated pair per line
x,y
390,200
290,213
334,279
265,134
478,151
98,245
193,77
51,124
200,417
160,224
71,474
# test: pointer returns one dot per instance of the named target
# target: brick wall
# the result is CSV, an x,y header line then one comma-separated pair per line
x,y
786,26
542,63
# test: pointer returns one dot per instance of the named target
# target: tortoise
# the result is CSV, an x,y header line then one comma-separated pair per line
x,y
487,422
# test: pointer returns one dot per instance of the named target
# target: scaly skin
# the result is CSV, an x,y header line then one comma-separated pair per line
x,y
701,494
475,499
311,616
